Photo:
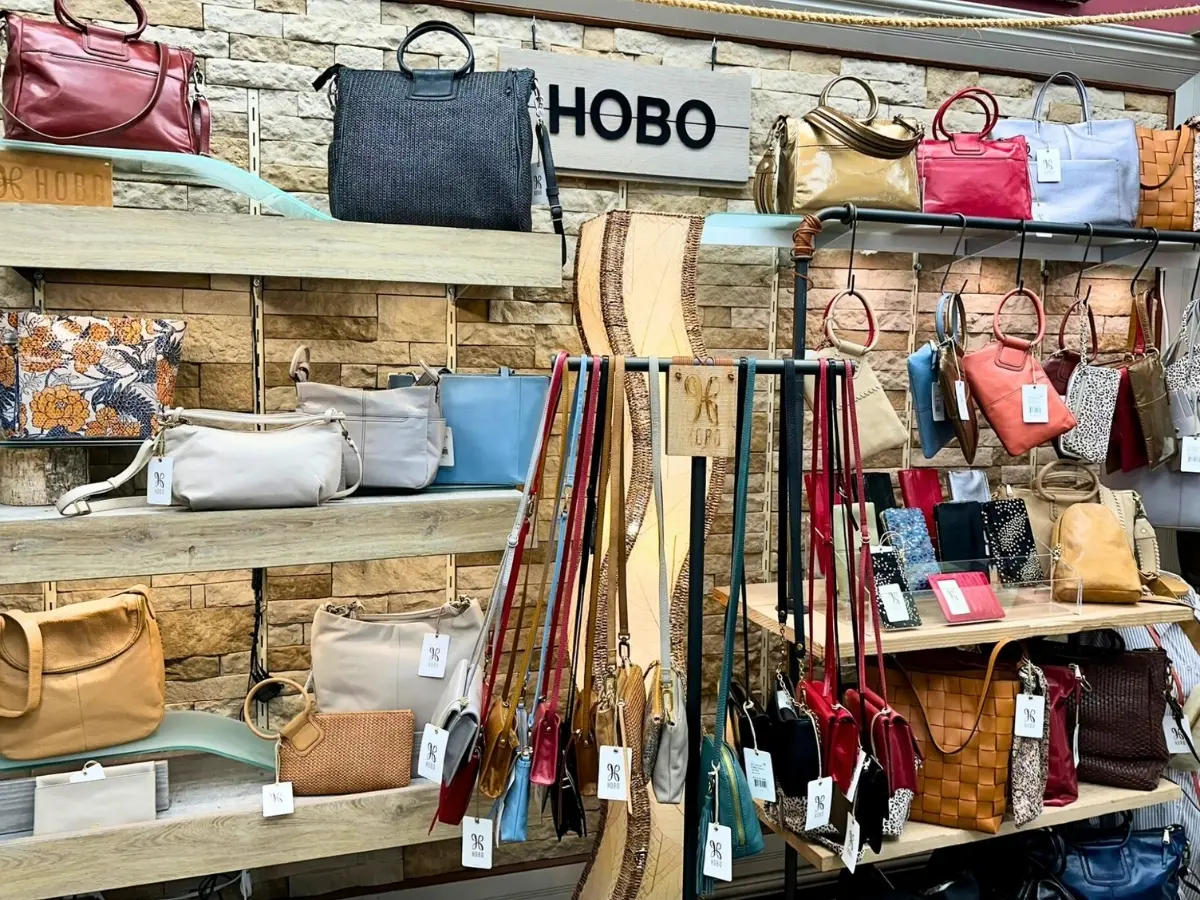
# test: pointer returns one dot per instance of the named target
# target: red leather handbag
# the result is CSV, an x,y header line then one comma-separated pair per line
x,y
922,489
968,174
1066,690
998,374
77,83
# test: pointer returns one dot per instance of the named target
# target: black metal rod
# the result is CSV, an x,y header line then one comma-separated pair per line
x,y
695,662
764,366
846,215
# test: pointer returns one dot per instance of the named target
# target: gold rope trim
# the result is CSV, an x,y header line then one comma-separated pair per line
x,y
821,18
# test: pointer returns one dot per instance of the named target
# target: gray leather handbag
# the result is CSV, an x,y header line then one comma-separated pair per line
x,y
1098,164
436,146
398,433
969,484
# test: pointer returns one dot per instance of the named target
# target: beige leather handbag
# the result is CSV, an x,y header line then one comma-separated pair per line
x,y
96,797
1058,485
81,677
828,158
879,427
218,462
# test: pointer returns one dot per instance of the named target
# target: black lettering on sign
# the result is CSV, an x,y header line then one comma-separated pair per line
x,y
576,112
682,125
597,115
652,113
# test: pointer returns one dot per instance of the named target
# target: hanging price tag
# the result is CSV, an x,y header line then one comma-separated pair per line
x,y
1176,740
939,403
477,843
93,771
858,768
432,753
447,459
850,847
891,598
1189,461
540,197
1031,714
784,700
1049,166
614,774
435,650
960,395
956,601
718,853
820,803
158,481
277,799
761,774
1035,406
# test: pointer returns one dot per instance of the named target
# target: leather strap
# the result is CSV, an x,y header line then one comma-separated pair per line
x,y
1076,82
985,98
849,348
858,134
791,547
980,702
618,635
589,670
958,319
155,94
33,643
552,192
1082,495
428,28
766,174
1020,343
1144,336
1176,158
1080,304
664,596
64,16
248,706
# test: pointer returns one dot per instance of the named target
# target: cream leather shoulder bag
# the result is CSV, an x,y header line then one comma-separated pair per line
x,y
218,461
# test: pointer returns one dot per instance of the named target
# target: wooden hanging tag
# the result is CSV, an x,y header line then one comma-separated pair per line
x,y
55,179
702,411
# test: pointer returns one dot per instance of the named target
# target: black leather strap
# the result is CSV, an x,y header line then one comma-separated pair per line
x,y
552,195
791,476
741,406
426,28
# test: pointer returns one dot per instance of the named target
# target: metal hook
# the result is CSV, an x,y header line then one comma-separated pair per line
x,y
712,61
853,211
533,32
1021,260
1083,266
1145,262
962,231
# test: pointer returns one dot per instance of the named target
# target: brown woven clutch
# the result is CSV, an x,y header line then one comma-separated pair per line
x,y
340,753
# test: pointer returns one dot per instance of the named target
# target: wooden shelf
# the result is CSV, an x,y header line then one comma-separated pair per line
x,y
1032,615
215,824
164,241
37,544
919,838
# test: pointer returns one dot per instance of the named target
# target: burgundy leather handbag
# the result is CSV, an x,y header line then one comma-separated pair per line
x,y
1065,361
970,175
77,83
1062,704
922,489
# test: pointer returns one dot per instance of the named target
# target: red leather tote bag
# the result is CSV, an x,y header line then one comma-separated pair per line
x,y
76,83
997,375
968,174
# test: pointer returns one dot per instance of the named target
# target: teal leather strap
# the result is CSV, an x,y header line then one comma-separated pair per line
x,y
739,544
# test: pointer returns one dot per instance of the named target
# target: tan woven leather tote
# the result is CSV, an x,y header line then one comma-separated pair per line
x,y
962,715
1168,197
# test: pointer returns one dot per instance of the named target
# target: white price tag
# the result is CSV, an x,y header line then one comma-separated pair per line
x,y
1049,165
760,772
955,599
1176,740
435,650
820,803
850,848
1189,461
858,768
718,853
784,700
477,843
540,198
93,771
1031,716
891,598
614,773
447,449
277,799
1039,214
960,395
433,753
939,403
1035,406
158,481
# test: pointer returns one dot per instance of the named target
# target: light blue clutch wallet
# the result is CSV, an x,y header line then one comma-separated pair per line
x,y
491,425
923,378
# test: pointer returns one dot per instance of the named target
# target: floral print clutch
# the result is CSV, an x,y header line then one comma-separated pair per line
x,y
85,377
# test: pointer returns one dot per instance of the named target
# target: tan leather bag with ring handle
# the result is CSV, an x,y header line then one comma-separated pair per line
x,y
828,158
879,425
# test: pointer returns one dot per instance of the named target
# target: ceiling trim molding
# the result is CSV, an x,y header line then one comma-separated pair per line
x,y
1119,55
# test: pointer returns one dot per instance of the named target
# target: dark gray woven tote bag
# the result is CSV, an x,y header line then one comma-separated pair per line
x,y
435,146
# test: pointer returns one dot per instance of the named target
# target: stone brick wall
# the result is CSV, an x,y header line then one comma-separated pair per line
x,y
263,55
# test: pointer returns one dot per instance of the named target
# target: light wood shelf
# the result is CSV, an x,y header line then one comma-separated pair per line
x,y
215,824
1032,615
37,544
919,838
53,237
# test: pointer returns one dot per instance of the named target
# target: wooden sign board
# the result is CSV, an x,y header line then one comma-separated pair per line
x,y
55,179
702,411
620,119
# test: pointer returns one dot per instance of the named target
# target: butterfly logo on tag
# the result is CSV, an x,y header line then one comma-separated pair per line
x,y
160,481
477,843
614,771
435,654
430,754
714,851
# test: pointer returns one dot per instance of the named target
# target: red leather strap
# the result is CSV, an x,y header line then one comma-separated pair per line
x,y
159,82
1020,343
872,334
64,16
814,536
1062,328
201,126
985,98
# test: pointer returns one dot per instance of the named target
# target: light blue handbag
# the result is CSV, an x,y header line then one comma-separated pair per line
x,y
923,377
491,424
1099,163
